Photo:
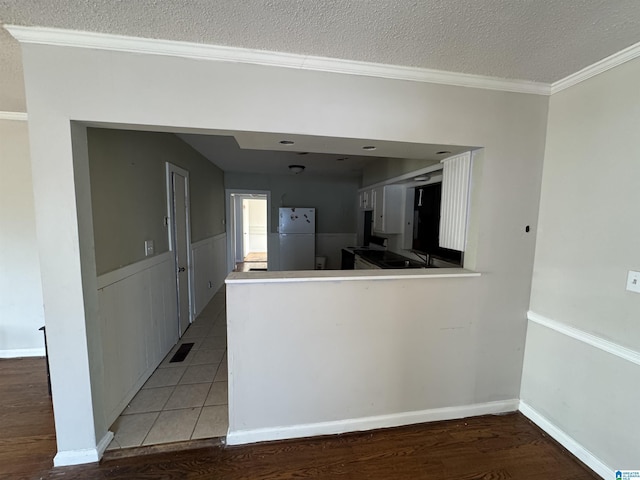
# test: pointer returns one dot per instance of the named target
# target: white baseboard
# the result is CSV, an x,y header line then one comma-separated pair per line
x,y
87,455
104,443
240,437
568,442
22,352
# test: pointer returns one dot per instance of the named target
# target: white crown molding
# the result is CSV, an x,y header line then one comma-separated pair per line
x,y
16,116
102,41
597,342
603,65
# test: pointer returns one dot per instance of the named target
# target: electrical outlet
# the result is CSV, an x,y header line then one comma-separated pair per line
x,y
633,281
148,248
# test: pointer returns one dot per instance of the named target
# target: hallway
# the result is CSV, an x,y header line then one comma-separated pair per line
x,y
184,399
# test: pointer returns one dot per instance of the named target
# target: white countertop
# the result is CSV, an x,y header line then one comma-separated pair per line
x,y
347,275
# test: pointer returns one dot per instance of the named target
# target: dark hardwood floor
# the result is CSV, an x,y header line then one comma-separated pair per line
x,y
480,448
27,434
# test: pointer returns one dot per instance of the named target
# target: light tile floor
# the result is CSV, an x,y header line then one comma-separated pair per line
x,y
185,400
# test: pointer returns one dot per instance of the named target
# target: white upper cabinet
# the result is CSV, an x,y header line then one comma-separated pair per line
x,y
364,199
388,209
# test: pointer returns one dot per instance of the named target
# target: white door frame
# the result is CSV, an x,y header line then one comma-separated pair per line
x,y
230,220
170,169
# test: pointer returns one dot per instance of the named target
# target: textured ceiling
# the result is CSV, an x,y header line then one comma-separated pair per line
x,y
538,40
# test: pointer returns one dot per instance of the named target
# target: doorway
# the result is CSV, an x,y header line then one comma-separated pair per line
x,y
249,225
180,241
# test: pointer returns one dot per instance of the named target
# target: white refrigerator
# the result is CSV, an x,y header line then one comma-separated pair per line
x,y
297,232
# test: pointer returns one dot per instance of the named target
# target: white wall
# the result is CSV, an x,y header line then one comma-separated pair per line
x,y
405,351
90,85
587,241
21,313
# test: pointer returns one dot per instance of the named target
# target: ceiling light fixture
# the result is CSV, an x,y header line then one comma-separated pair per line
x,y
369,147
422,178
297,168
286,142
442,152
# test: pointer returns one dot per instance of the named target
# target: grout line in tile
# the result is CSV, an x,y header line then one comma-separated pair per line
x,y
150,428
197,420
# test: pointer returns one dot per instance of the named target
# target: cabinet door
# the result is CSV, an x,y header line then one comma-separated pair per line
x,y
364,200
388,209
377,195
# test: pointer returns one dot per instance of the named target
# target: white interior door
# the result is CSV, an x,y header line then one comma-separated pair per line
x,y
180,241
238,230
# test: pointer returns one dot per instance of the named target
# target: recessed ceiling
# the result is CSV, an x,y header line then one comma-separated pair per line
x,y
534,40
263,153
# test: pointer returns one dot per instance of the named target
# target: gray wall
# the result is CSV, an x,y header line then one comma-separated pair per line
x,y
335,199
589,231
128,193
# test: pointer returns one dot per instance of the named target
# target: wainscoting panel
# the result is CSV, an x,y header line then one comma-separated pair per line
x,y
583,390
330,245
209,257
138,315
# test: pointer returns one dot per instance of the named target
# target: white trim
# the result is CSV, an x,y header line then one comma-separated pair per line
x,y
102,41
121,43
230,221
16,116
104,443
120,274
205,241
347,275
603,65
22,352
598,342
568,442
240,437
86,455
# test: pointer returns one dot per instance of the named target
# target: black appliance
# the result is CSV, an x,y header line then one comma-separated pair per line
x,y
368,227
348,259
426,224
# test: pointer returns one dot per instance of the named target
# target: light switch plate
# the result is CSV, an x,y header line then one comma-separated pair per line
x,y
633,281
148,248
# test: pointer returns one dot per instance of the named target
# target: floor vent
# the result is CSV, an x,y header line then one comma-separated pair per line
x,y
182,353
257,269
